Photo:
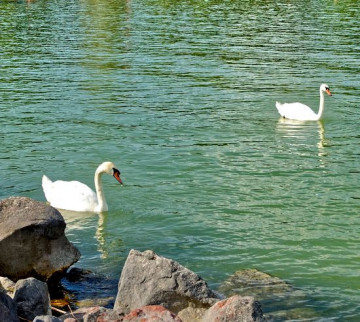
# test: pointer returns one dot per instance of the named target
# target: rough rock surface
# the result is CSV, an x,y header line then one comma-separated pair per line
x,y
32,240
235,309
7,308
149,279
252,282
32,298
279,299
151,313
85,314
7,285
46,318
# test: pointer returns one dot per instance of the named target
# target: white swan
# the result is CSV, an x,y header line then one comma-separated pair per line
x,y
302,112
76,196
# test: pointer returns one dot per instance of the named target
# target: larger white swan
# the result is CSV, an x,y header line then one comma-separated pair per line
x,y
76,196
302,112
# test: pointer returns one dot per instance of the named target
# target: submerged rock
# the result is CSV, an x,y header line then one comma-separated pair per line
x,y
252,282
151,313
149,279
32,240
279,299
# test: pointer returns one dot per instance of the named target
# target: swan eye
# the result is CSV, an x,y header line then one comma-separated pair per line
x,y
116,171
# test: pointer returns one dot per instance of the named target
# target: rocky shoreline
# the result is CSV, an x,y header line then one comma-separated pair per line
x,y
151,288
37,254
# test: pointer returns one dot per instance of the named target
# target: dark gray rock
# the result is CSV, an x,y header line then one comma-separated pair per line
x,y
235,309
7,308
149,279
32,298
32,240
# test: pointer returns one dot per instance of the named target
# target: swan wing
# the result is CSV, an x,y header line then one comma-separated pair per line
x,y
69,195
296,111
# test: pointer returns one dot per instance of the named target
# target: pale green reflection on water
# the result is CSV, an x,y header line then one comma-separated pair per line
x,y
182,97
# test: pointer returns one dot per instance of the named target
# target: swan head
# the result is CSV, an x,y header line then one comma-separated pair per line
x,y
325,88
109,168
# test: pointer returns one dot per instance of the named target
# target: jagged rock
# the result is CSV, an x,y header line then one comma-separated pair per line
x,y
149,279
151,313
7,308
32,298
32,240
235,309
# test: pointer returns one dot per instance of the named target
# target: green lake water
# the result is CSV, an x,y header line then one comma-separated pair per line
x,y
181,95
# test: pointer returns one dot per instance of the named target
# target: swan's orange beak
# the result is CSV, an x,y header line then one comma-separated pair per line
x,y
328,92
117,176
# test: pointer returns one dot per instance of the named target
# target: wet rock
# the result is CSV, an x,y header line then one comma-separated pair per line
x,y
32,240
152,313
149,279
253,282
235,309
7,308
279,299
32,298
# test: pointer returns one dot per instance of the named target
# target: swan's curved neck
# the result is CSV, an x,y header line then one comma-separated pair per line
x,y
321,106
102,205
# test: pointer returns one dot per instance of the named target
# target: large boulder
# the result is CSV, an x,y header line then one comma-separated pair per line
x,y
32,298
149,279
32,240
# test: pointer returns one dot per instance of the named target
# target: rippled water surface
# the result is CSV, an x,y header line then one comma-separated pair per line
x,y
181,96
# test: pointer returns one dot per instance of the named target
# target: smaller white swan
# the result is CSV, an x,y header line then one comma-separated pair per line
x,y
76,196
302,112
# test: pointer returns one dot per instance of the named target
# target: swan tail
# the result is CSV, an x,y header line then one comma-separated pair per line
x,y
46,181
279,107
47,187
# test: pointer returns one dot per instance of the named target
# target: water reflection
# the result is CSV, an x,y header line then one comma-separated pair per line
x,y
87,223
304,130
